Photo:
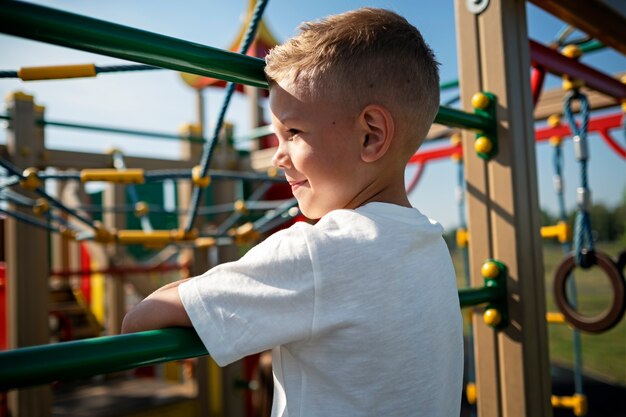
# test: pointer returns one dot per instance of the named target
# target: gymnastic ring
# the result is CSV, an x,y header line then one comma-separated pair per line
x,y
621,262
609,318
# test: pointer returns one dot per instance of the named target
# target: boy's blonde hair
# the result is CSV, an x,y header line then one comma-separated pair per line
x,y
361,57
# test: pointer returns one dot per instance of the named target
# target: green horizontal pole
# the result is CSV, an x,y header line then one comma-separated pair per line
x,y
475,296
122,131
591,46
458,118
449,84
116,130
98,36
48,363
69,360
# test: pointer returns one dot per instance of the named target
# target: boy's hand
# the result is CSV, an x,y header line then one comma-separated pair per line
x,y
163,308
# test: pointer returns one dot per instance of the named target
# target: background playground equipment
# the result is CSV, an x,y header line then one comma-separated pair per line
x,y
521,314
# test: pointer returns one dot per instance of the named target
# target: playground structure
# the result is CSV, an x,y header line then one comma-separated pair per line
x,y
501,188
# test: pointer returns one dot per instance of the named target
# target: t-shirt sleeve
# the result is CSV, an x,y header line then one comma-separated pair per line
x,y
263,300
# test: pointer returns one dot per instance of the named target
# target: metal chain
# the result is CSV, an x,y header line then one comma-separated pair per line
x,y
583,238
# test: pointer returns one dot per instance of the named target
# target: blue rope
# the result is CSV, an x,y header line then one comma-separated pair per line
x,y
29,220
583,237
210,146
40,191
567,247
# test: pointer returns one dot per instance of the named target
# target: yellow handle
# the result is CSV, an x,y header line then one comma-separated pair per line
x,y
125,176
57,72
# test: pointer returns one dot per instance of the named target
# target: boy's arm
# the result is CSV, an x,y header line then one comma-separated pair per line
x,y
163,308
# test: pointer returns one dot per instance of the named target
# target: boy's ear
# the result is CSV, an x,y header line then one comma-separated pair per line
x,y
378,132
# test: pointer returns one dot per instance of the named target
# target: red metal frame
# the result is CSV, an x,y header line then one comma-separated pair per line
x,y
537,77
600,125
556,63
119,270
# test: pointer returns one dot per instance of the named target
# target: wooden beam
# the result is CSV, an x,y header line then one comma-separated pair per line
x,y
594,17
27,261
512,366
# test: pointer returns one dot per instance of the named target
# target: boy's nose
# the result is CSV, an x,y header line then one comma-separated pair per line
x,y
280,158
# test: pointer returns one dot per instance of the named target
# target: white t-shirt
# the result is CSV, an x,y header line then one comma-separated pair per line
x,y
361,312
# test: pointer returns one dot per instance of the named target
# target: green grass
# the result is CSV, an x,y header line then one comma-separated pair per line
x,y
604,354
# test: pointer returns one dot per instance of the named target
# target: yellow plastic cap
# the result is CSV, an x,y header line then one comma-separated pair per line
x,y
240,207
554,120
197,179
492,317
141,208
41,206
462,237
574,84
471,393
455,139
30,181
556,141
480,101
555,318
490,270
483,145
572,51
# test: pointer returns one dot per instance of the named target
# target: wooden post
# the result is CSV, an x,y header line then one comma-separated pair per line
x,y
115,306
512,367
26,259
208,374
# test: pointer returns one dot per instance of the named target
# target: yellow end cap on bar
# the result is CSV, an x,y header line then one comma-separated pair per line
x,y
555,318
483,145
471,393
141,208
492,317
577,403
41,206
480,101
123,176
57,72
240,207
246,233
205,242
462,237
154,237
572,51
103,235
30,181
490,270
197,179
67,233
562,231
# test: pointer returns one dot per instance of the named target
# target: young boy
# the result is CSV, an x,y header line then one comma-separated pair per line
x,y
360,310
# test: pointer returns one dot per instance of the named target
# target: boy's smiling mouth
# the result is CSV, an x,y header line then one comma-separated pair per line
x,y
295,184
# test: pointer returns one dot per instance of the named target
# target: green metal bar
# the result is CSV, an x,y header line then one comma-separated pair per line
x,y
116,130
122,131
475,296
458,118
80,32
449,84
64,361
44,364
591,46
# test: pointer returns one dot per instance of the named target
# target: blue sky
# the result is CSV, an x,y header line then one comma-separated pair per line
x,y
159,100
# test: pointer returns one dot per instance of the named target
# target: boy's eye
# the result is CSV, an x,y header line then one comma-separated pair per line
x,y
292,133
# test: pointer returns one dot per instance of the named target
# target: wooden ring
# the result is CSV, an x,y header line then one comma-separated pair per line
x,y
607,319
